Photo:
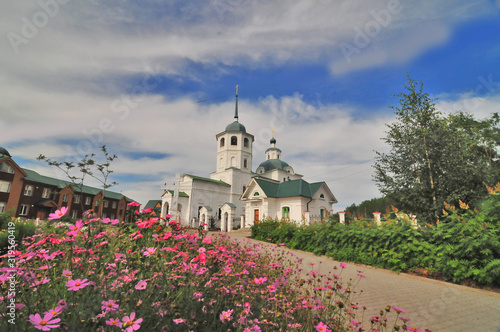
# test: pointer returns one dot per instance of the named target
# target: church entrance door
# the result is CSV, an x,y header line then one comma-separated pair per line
x,y
256,216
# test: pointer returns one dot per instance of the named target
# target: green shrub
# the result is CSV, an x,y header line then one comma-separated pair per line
x,y
21,230
464,246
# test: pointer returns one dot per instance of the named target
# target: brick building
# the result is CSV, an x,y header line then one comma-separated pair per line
x,y
33,195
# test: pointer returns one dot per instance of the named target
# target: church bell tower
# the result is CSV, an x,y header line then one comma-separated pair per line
x,y
234,146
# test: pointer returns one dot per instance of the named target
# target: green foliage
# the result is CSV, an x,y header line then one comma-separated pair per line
x,y
434,158
464,246
367,207
20,230
4,220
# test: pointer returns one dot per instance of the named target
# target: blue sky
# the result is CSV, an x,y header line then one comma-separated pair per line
x,y
155,81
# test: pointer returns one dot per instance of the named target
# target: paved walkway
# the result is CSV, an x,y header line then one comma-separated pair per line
x,y
432,304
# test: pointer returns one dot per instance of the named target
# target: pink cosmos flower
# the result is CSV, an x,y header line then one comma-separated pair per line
x,y
408,328
77,284
110,305
110,221
321,327
75,228
149,251
46,323
259,281
56,311
398,310
271,288
130,324
179,320
141,285
148,210
342,265
59,213
207,240
225,316
168,216
133,204
114,321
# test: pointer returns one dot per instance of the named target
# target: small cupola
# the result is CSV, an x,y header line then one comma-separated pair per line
x,y
4,153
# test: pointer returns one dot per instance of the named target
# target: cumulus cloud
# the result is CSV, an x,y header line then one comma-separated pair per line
x,y
80,74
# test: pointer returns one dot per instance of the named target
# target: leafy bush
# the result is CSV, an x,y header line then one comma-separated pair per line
x,y
20,230
464,246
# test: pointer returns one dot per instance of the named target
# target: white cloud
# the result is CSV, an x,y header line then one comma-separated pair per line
x,y
65,87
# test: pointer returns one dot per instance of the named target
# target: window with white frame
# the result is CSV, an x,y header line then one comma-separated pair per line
x,y
106,203
87,200
4,167
76,199
65,198
4,186
112,216
113,205
2,206
28,190
104,216
24,210
46,193
74,214
96,203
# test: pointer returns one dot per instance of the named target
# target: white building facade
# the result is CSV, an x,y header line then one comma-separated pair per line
x,y
235,196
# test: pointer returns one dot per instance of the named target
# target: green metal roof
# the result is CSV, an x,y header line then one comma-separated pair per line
x,y
181,193
273,164
230,205
35,177
289,188
152,203
194,177
236,126
4,152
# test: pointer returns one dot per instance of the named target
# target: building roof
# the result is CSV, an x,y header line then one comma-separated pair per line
x,y
4,153
289,188
194,177
181,193
236,126
152,203
35,177
273,164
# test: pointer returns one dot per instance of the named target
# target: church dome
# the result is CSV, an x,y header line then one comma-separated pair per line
x,y
4,152
273,164
236,126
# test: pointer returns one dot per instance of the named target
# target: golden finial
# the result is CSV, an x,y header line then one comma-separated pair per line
x,y
237,89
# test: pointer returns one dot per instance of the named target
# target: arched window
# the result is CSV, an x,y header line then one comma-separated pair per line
x,y
321,196
245,142
256,193
222,142
234,140
245,163
285,212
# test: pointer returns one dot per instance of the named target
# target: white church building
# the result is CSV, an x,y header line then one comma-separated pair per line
x,y
234,195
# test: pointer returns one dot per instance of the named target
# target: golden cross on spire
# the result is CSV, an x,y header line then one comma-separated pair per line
x,y
273,132
237,89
